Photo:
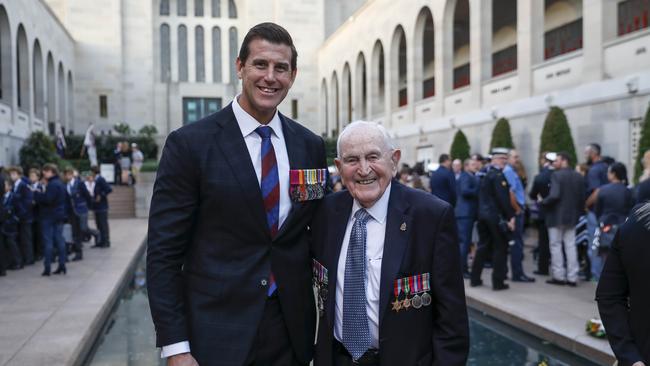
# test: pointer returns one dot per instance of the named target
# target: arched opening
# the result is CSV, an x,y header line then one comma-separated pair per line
x,y
39,89
70,100
165,54
562,27
461,44
324,105
51,90
61,97
199,53
425,51
232,9
346,84
182,53
633,16
6,88
399,70
504,36
22,70
216,55
234,43
378,79
335,111
361,88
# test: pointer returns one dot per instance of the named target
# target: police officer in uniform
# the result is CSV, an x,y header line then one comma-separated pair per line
x,y
496,216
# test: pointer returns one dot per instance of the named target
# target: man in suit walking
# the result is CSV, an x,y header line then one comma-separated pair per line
x,y
564,205
77,201
387,265
99,192
466,209
228,265
443,181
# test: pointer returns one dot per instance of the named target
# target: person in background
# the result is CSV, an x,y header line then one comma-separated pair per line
x,y
596,178
540,190
125,163
643,188
137,158
338,186
35,185
100,191
117,155
466,210
614,200
563,206
405,176
622,293
518,202
457,167
22,198
51,217
9,228
443,181
418,170
77,201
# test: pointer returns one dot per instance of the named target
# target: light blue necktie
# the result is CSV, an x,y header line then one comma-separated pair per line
x,y
356,332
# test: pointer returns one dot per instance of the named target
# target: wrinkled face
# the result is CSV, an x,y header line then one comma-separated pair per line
x,y
266,78
366,165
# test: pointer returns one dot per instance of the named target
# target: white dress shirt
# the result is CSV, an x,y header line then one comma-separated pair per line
x,y
247,125
376,230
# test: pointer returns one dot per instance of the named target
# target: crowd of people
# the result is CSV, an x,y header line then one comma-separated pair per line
x,y
128,162
576,211
35,209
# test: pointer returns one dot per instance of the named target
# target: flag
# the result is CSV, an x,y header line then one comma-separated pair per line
x,y
60,141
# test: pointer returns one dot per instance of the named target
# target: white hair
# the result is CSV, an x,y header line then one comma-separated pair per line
x,y
365,125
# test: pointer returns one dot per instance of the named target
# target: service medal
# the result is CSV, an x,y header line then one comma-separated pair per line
x,y
416,301
426,299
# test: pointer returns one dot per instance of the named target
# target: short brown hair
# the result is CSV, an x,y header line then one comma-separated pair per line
x,y
51,167
35,171
68,170
16,169
269,32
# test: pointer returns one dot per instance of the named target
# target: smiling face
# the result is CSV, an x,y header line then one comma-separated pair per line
x,y
366,164
266,78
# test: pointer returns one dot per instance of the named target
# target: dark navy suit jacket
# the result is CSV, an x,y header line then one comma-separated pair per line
x,y
420,238
23,198
78,199
467,202
443,185
210,251
52,201
102,190
9,224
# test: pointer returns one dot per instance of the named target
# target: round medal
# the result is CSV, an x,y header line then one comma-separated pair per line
x,y
416,302
426,299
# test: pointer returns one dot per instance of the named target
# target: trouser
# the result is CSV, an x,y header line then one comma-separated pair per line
x,y
80,229
11,251
496,244
595,259
543,250
566,235
26,242
517,250
52,236
3,259
272,346
101,220
465,225
37,242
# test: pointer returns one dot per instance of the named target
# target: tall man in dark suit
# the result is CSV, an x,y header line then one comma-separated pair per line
x,y
386,264
99,192
23,197
77,201
228,265
564,205
443,181
51,203
539,191
622,294
466,209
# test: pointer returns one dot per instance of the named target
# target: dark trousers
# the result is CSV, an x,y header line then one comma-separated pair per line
x,y
517,250
11,254
465,226
101,220
26,243
496,244
543,250
80,230
52,236
3,259
37,242
272,346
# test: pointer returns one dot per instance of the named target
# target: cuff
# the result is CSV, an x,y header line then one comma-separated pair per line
x,y
175,349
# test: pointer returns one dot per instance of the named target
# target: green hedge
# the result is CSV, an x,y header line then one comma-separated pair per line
x,y
644,145
460,146
106,145
501,136
556,135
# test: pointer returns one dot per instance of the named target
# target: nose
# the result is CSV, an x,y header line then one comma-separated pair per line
x,y
364,167
269,76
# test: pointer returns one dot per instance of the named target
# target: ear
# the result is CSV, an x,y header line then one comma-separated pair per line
x,y
338,163
294,72
240,66
395,157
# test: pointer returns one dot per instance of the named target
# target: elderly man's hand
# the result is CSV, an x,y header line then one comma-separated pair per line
x,y
182,359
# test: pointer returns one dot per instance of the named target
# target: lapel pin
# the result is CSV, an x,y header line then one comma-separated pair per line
x,y
403,227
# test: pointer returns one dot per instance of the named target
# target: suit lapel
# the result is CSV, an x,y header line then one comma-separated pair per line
x,y
231,142
398,226
338,224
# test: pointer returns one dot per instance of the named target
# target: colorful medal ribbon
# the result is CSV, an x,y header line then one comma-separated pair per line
x,y
307,184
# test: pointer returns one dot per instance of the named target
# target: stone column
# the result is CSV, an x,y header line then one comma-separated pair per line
x,y
480,47
530,42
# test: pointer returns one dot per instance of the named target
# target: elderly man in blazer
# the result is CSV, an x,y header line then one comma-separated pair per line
x,y
386,265
228,264
563,206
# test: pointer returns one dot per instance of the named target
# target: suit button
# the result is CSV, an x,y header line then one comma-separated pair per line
x,y
264,282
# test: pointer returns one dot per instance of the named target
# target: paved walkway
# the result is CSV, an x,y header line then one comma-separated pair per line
x,y
54,320
557,314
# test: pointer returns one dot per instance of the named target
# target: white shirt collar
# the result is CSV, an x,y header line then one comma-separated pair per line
x,y
17,183
248,124
379,210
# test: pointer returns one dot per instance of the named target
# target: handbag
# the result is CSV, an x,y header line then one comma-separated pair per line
x,y
604,237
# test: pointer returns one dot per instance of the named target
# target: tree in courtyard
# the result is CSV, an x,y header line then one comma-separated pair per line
x,y
38,150
459,147
644,145
501,136
556,134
